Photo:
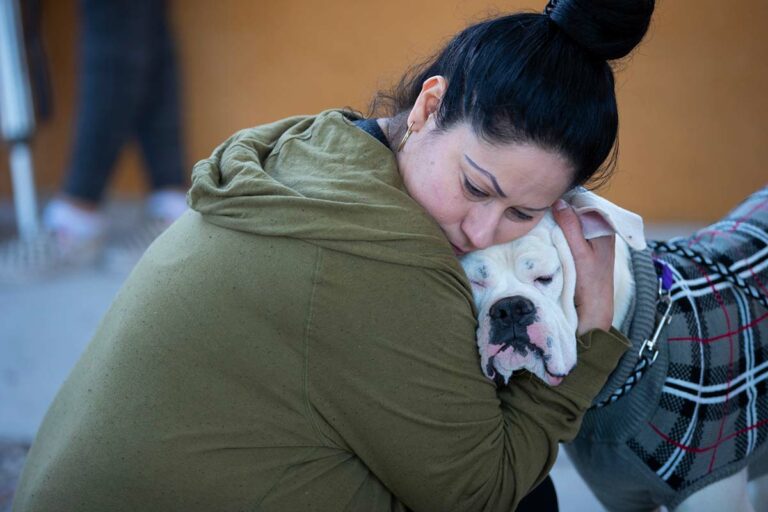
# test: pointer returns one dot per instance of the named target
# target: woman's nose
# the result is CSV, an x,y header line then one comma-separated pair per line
x,y
480,226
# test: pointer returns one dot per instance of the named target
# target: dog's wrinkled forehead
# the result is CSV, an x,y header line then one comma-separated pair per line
x,y
530,255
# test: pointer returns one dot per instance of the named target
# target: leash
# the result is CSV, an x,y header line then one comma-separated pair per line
x,y
714,266
648,350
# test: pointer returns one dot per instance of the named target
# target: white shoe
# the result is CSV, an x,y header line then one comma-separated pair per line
x,y
166,205
62,216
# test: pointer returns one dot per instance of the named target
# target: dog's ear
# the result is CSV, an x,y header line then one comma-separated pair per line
x,y
600,217
569,276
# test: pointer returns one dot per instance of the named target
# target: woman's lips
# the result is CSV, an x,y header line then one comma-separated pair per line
x,y
457,251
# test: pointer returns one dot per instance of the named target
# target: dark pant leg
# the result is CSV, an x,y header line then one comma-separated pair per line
x,y
114,46
543,498
159,126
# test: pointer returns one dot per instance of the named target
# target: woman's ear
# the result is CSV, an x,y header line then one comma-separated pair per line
x,y
428,101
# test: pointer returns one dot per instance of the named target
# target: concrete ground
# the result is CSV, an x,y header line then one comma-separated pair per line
x,y
45,325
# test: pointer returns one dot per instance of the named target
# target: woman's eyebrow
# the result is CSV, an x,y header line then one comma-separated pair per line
x,y
488,174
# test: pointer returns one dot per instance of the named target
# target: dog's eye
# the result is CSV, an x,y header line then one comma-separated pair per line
x,y
545,280
479,284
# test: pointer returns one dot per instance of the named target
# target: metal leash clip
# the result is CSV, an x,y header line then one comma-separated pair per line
x,y
666,318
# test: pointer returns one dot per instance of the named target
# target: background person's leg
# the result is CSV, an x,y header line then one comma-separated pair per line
x,y
159,121
115,45
159,131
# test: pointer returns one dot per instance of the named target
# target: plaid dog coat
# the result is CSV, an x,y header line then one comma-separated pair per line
x,y
661,431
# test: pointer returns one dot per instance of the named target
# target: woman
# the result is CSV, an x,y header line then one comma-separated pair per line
x,y
304,339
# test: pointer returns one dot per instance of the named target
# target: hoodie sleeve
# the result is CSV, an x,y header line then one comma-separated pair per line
x,y
394,377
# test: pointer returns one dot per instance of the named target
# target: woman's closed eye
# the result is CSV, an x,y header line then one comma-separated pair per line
x,y
516,214
512,212
474,190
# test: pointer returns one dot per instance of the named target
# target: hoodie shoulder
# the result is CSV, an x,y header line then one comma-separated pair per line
x,y
320,179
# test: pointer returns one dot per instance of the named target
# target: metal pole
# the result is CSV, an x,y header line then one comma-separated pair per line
x,y
24,197
17,119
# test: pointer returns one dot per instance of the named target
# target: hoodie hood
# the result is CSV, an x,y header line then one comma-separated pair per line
x,y
322,180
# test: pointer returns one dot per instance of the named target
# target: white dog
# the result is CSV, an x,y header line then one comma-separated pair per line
x,y
524,292
685,415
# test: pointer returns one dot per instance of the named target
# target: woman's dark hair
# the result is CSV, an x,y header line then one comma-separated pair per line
x,y
536,78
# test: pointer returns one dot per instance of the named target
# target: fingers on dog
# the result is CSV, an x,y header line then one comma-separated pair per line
x,y
570,224
604,251
604,246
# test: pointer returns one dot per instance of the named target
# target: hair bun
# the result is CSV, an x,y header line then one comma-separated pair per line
x,y
609,29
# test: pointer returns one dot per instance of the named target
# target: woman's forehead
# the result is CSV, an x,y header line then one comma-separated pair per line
x,y
521,169
507,160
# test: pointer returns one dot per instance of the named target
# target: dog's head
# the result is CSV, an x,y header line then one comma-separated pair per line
x,y
524,294
524,291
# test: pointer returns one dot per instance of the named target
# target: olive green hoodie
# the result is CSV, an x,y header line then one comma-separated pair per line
x,y
303,340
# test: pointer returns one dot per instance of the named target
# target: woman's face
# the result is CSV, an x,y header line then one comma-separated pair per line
x,y
480,194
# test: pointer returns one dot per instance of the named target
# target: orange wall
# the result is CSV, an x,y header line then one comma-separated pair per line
x,y
693,103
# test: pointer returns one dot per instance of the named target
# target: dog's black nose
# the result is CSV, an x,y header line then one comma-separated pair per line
x,y
517,309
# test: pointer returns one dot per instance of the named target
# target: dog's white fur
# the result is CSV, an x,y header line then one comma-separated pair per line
x,y
539,267
512,269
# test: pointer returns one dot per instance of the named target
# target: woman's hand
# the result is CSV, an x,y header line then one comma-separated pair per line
x,y
594,271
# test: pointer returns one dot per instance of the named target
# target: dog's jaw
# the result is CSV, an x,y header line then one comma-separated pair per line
x,y
542,348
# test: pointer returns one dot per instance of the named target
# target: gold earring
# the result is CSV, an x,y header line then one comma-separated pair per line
x,y
405,137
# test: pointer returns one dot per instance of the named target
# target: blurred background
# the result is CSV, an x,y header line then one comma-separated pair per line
x,y
693,102
693,121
